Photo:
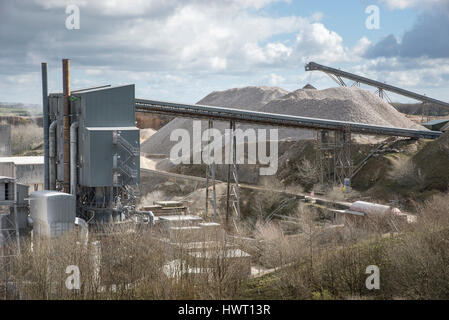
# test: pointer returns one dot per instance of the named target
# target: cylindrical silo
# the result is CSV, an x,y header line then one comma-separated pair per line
x,y
53,212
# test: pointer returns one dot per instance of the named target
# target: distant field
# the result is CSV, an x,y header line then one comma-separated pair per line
x,y
19,109
14,111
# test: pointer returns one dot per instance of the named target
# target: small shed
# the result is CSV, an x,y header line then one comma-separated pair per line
x,y
435,125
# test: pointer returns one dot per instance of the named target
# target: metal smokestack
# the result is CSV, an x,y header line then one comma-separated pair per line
x,y
66,121
45,121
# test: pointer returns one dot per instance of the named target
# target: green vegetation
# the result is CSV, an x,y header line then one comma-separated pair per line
x,y
14,111
27,140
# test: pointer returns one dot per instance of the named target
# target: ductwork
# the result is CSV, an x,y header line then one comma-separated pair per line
x,y
73,156
52,154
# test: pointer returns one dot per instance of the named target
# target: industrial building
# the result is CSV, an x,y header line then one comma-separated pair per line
x,y
27,170
89,175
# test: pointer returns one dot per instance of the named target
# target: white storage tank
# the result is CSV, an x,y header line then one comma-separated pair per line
x,y
53,213
373,208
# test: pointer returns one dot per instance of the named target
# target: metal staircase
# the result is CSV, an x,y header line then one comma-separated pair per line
x,y
130,152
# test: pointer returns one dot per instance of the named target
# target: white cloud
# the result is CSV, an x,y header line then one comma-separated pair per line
x,y
315,42
145,7
361,47
269,54
22,79
415,73
275,79
218,63
400,4
91,71
159,43
421,4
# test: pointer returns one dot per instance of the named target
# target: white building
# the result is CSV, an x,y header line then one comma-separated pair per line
x,y
27,170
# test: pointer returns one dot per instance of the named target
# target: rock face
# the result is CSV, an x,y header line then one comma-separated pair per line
x,y
430,163
249,98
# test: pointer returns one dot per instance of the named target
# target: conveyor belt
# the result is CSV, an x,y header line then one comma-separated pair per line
x,y
281,120
312,66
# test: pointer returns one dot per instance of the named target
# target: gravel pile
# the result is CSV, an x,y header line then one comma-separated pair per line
x,y
347,104
250,98
343,103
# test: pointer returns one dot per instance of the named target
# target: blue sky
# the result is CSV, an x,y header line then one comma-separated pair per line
x,y
181,50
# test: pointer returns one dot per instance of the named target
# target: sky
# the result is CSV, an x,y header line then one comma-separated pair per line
x,y
181,50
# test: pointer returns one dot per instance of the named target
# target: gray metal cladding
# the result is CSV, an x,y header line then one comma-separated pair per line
x,y
100,112
106,107
97,152
53,212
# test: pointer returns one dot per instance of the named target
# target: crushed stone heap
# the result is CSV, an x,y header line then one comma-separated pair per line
x,y
342,103
249,98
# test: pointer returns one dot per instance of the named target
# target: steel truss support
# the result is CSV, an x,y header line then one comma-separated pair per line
x,y
343,163
210,175
380,92
337,79
232,167
425,112
8,251
9,244
334,156
325,150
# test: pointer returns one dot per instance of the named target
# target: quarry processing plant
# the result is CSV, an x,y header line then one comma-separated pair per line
x,y
92,160
91,144
101,168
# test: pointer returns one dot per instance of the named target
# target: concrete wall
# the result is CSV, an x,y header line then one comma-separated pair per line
x,y
7,169
31,174
5,140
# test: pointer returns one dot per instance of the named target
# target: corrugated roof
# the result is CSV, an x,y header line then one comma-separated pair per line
x,y
434,122
23,160
48,193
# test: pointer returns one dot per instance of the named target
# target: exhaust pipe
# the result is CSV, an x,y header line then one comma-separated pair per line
x,y
73,156
52,154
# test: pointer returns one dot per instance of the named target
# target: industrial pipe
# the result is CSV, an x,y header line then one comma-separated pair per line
x,y
45,123
66,121
52,155
373,208
73,156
